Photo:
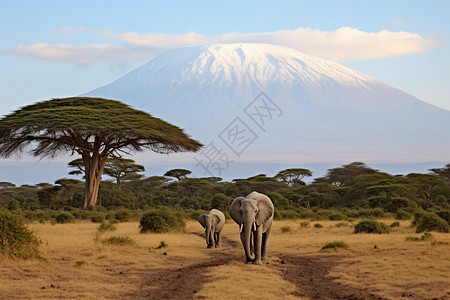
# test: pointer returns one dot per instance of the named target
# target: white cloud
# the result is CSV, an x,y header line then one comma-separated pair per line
x,y
80,55
342,44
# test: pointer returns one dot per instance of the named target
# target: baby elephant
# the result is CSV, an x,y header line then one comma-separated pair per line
x,y
213,223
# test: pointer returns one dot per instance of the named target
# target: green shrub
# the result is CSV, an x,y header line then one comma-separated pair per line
x,y
402,214
123,215
161,220
162,244
119,241
371,226
285,229
425,237
16,240
80,263
304,224
430,222
97,218
334,246
395,224
318,225
13,205
106,226
64,217
38,215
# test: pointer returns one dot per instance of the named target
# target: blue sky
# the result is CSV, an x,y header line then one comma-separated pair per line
x,y
54,48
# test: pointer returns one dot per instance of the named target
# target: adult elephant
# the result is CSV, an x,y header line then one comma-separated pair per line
x,y
213,223
254,215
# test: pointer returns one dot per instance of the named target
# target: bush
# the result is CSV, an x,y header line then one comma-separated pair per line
x,y
395,224
123,215
80,263
285,229
106,226
371,226
334,246
425,237
304,224
429,222
318,225
97,218
402,214
65,217
162,244
161,220
16,240
119,241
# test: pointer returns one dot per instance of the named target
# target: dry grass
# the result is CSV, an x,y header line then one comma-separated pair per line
x,y
386,263
241,281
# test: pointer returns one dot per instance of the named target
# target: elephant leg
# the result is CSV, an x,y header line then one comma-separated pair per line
x,y
257,245
219,239
265,236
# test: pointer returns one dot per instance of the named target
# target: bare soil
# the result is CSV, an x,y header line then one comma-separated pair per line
x,y
309,273
311,276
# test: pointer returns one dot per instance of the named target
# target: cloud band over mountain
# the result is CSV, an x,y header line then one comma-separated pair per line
x,y
342,44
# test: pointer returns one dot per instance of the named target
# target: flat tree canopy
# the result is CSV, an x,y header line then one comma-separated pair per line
x,y
94,128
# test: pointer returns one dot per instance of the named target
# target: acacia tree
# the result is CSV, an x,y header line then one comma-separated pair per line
x,y
123,170
179,174
345,175
293,177
93,128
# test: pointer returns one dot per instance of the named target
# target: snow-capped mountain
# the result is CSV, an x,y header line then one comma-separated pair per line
x,y
311,109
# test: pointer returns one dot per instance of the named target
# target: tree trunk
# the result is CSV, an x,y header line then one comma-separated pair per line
x,y
119,184
93,174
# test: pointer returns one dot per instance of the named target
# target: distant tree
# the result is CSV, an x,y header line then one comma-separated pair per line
x,y
48,196
345,175
212,179
293,177
179,174
154,181
443,172
93,128
196,186
260,183
6,185
425,183
221,202
68,184
123,170
43,185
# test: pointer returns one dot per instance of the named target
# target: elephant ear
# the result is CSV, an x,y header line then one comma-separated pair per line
x,y
235,210
266,209
215,219
202,220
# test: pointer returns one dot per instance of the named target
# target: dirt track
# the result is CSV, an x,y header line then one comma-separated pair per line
x,y
308,273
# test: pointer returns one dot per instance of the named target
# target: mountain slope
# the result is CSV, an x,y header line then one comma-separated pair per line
x,y
322,111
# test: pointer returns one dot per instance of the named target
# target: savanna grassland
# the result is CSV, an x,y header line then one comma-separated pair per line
x,y
81,264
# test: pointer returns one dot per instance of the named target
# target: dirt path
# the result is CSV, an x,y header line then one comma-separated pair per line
x,y
309,273
184,282
311,276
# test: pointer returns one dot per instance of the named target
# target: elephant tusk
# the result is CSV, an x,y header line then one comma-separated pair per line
x,y
254,226
241,227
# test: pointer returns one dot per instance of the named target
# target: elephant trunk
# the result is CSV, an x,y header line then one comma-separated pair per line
x,y
246,237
